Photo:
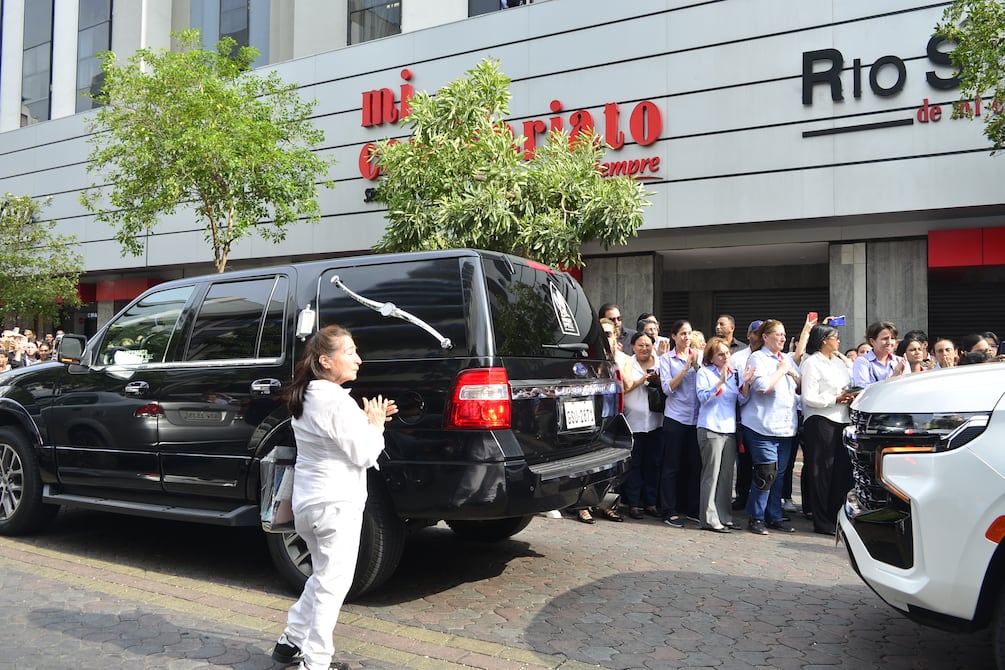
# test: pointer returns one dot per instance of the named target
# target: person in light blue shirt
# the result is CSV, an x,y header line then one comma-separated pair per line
x,y
882,362
769,413
681,471
717,388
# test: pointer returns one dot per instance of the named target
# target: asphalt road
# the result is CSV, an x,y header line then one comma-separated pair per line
x,y
106,591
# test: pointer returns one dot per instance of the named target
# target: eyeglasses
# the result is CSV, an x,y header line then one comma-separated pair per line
x,y
616,318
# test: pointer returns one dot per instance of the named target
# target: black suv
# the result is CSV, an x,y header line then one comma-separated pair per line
x,y
508,403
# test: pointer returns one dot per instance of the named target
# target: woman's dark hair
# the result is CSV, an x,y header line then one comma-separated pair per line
x,y
906,342
876,327
991,335
972,357
677,325
638,334
970,341
818,334
322,343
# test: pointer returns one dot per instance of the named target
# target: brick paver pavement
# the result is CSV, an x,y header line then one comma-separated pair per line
x,y
561,595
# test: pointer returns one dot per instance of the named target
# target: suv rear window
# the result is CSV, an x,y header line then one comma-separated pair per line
x,y
539,312
432,290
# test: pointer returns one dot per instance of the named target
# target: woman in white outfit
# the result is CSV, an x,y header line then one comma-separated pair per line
x,y
336,443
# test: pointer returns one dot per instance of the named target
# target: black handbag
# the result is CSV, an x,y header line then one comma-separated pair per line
x,y
657,398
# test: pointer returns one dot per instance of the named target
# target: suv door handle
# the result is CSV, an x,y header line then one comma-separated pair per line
x,y
137,388
266,386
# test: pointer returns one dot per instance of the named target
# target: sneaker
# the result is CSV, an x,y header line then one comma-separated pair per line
x,y
781,526
286,652
788,506
676,521
756,526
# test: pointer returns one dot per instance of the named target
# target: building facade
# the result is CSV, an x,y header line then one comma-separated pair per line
x,y
800,156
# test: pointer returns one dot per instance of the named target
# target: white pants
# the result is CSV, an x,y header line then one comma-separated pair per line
x,y
331,532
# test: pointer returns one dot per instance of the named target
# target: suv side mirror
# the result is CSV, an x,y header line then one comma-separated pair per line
x,y
70,348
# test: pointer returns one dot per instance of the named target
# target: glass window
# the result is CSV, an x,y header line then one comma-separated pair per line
x,y
36,68
234,20
537,312
94,35
476,7
142,334
434,291
235,317
372,19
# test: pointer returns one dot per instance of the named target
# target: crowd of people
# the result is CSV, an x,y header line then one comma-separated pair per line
x,y
21,348
717,424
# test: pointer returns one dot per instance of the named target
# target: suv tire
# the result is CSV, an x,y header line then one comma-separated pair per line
x,y
492,530
21,506
382,541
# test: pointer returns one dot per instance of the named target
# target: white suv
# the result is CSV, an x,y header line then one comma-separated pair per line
x,y
925,520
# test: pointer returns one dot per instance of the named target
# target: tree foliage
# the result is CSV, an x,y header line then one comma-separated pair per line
x,y
463,181
193,127
978,28
39,269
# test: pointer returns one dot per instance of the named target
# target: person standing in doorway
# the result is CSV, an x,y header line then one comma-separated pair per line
x,y
336,443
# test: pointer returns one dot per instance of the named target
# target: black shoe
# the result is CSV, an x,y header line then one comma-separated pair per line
x,y
781,526
756,526
720,529
676,521
739,504
636,513
286,652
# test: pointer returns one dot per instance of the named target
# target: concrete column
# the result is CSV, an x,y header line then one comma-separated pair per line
x,y
897,283
848,290
625,280
10,64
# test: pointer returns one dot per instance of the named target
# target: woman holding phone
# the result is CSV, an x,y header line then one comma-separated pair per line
x,y
826,395
640,491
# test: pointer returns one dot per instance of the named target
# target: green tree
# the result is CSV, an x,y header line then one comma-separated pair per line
x,y
462,181
978,28
196,128
39,269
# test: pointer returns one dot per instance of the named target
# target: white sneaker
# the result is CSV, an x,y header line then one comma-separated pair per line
x,y
789,506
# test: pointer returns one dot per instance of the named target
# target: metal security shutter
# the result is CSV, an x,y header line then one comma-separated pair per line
x,y
958,306
787,305
676,305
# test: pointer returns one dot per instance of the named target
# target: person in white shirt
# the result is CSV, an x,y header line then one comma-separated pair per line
x,y
336,443
826,395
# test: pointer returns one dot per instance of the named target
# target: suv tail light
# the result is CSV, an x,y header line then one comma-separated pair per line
x,y
621,388
480,399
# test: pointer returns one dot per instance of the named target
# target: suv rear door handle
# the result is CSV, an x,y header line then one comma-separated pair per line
x,y
137,388
266,386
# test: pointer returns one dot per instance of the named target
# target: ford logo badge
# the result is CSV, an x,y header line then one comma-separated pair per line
x,y
580,369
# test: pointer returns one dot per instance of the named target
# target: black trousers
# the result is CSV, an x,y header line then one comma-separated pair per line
x,y
829,466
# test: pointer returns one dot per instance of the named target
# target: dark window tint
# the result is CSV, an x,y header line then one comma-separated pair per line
x,y
234,20
94,30
235,317
372,19
36,64
537,312
434,291
142,334
476,7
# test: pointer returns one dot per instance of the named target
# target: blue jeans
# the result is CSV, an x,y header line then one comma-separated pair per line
x,y
767,505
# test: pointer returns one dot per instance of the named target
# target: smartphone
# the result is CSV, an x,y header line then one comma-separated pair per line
x,y
837,321
855,389
812,317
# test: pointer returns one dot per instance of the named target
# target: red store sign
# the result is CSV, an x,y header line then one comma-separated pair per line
x,y
645,124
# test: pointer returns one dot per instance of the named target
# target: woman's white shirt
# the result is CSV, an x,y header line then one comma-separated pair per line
x,y
640,418
824,379
336,444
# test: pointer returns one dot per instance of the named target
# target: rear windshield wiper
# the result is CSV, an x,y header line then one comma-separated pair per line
x,y
572,346
389,309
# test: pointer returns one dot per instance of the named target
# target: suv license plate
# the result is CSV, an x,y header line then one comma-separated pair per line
x,y
578,414
202,415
